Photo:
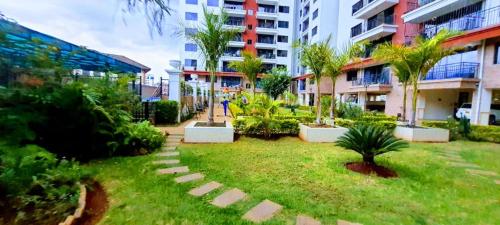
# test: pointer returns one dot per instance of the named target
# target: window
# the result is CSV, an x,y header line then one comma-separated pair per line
x,y
190,62
497,54
283,24
315,14
207,79
250,27
192,2
352,75
314,31
282,39
282,53
284,9
213,3
191,16
250,12
249,41
189,47
190,31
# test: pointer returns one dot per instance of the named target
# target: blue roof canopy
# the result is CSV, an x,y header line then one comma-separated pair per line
x,y
22,42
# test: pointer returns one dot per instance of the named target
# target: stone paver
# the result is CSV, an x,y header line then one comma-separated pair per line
x,y
168,154
306,220
343,222
173,144
481,172
168,148
190,177
174,170
205,189
263,211
167,162
497,182
228,198
469,165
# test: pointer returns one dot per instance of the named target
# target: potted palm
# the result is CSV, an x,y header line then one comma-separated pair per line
x,y
212,38
249,67
415,62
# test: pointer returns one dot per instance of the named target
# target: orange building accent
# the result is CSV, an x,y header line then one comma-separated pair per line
x,y
250,20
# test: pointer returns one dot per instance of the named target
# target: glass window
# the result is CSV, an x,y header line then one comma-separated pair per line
x,y
314,31
189,47
283,24
192,2
191,62
282,39
284,9
207,79
190,31
352,75
497,54
282,53
213,3
315,14
191,16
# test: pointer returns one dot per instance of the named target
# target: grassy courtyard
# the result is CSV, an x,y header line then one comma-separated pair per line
x,y
306,179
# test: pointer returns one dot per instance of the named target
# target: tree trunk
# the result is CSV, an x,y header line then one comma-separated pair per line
x,y
332,106
369,159
318,102
253,89
413,121
405,89
212,98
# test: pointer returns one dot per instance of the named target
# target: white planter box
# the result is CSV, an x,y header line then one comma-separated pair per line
x,y
194,134
327,135
422,134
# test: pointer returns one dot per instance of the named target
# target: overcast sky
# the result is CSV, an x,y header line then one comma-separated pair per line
x,y
101,25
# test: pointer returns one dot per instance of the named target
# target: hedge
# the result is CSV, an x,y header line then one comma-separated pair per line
x,y
300,118
281,127
478,133
166,112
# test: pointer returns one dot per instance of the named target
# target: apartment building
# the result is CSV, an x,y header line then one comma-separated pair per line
x,y
470,78
266,29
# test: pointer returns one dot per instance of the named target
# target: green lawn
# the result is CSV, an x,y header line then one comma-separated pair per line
x,y
307,179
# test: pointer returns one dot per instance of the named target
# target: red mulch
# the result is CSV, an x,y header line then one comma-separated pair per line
x,y
368,169
97,204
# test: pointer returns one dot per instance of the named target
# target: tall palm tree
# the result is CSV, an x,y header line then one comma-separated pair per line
x,y
315,57
156,11
250,67
396,56
334,67
212,38
417,60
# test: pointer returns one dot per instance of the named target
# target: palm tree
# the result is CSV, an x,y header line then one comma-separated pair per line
x,y
156,11
334,68
396,55
370,141
315,56
417,60
212,38
250,67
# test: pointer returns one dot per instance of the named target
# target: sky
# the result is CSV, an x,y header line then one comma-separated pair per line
x,y
102,25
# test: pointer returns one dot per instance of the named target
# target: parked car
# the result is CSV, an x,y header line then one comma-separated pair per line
x,y
466,111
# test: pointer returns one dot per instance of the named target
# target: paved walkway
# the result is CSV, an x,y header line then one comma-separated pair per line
x,y
219,117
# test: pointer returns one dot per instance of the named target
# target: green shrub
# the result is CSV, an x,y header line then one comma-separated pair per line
x,y
139,139
477,133
305,108
166,112
259,126
485,133
379,120
348,111
300,118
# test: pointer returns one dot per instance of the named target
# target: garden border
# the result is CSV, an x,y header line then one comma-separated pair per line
x,y
82,202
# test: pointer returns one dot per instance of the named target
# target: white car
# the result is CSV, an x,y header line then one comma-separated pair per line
x,y
465,111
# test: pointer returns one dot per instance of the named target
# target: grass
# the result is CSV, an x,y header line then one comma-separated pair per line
x,y
307,179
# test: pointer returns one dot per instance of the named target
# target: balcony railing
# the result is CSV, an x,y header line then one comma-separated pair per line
x,y
356,7
415,4
453,70
235,23
371,24
266,10
266,41
232,54
267,56
234,7
466,22
267,26
372,79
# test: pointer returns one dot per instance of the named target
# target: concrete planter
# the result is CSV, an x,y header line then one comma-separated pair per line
x,y
422,134
193,134
326,135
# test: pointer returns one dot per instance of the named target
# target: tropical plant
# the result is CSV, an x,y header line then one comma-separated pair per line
x,y
212,37
316,57
166,112
370,141
276,83
335,67
417,60
250,67
156,11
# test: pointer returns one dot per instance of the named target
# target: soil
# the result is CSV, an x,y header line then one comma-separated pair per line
x,y
368,169
97,204
204,124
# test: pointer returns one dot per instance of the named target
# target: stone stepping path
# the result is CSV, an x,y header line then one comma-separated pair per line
x,y
172,144
263,211
497,182
343,222
228,198
465,165
168,148
205,189
168,154
306,220
189,178
481,172
167,162
174,170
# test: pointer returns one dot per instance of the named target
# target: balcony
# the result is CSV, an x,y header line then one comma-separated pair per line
x,y
237,42
267,13
268,58
365,9
374,29
426,10
380,83
271,29
461,75
235,24
235,10
232,56
270,2
266,44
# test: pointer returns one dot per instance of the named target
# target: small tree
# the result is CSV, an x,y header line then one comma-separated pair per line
x,y
370,141
250,67
276,83
212,38
315,57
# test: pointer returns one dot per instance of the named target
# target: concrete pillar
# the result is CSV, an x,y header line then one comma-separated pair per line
x,y
362,98
420,107
481,106
174,88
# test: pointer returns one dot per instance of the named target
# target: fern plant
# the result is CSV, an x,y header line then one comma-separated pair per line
x,y
370,141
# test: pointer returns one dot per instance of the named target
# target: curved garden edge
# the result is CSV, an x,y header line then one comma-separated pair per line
x,y
82,201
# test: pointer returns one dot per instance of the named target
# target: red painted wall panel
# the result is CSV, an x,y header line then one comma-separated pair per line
x,y
250,20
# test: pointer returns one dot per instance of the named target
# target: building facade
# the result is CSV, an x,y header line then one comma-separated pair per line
x,y
266,29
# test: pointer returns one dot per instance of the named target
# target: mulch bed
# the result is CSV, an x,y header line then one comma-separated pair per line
x,y
368,169
204,124
97,204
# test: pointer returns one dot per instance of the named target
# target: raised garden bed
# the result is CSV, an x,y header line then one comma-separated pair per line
x,y
313,133
422,134
199,132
